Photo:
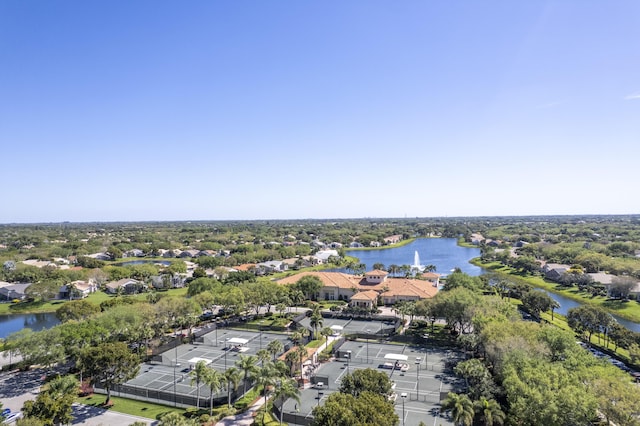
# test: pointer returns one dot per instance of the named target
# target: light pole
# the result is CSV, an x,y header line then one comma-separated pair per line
x,y
320,397
403,395
348,355
226,341
367,333
216,324
426,351
418,360
261,322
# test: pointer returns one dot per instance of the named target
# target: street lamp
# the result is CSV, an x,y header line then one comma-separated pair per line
x,y
320,397
348,356
367,333
418,360
261,322
175,366
216,324
226,341
403,395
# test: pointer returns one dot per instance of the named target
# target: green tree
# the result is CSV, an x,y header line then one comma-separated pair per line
x,y
342,409
488,411
287,389
198,375
266,377
76,310
275,347
109,364
536,301
461,408
316,321
309,285
53,404
232,377
248,365
215,381
173,418
366,380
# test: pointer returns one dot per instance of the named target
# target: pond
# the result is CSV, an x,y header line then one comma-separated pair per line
x,y
11,323
444,253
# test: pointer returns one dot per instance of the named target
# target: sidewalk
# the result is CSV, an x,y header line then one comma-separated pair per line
x,y
245,418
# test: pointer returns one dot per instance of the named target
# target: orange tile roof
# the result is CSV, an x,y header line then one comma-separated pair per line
x,y
376,272
368,295
244,267
329,279
398,286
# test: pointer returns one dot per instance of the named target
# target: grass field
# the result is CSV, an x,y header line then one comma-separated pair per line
x,y
51,306
130,406
629,309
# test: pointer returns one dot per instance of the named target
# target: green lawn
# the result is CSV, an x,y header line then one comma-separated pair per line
x,y
629,310
130,406
51,306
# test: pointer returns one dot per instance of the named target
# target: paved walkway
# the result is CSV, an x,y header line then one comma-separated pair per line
x,y
245,418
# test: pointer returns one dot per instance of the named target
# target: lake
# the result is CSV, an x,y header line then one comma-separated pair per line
x,y
11,323
444,253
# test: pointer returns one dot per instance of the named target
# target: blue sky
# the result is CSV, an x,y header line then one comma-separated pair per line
x,y
157,110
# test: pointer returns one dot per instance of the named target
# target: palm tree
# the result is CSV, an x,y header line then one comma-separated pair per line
x,y
489,411
215,380
326,332
247,364
291,359
275,347
198,375
316,321
429,268
554,305
378,266
232,376
288,389
393,269
301,353
263,355
266,376
461,408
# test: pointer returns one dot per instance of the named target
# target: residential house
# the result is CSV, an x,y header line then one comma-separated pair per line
x,y
14,291
189,253
554,271
393,239
356,244
100,256
77,289
324,255
273,266
133,253
128,286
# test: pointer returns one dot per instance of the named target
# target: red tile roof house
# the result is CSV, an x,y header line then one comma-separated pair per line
x,y
340,286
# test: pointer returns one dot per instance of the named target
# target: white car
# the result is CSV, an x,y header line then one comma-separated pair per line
x,y
12,417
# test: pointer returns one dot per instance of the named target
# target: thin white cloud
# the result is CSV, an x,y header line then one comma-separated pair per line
x,y
632,96
550,105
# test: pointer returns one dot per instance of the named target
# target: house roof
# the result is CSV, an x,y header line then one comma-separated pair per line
x,y
376,272
397,286
367,295
329,279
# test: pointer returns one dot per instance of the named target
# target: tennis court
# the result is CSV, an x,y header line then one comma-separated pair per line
x,y
421,378
352,326
167,379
